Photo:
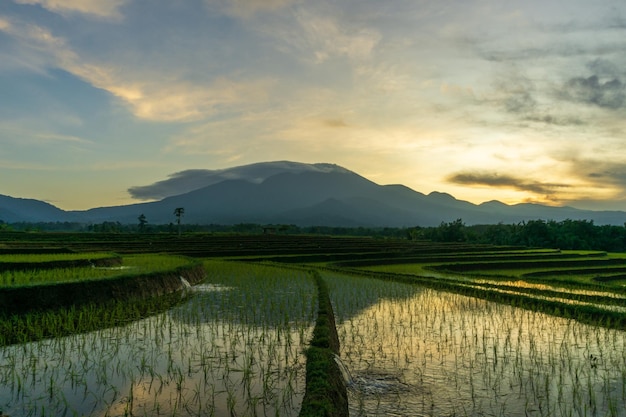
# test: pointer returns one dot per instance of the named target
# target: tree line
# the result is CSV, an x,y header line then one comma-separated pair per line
x,y
566,234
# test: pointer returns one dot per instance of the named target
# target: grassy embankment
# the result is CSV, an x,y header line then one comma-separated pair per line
x,y
53,302
326,393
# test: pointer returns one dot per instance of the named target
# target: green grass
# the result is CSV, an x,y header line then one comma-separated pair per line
x,y
131,265
48,257
25,328
326,393
579,268
479,272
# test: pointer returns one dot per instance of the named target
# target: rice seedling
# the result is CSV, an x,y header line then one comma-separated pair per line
x,y
132,265
234,347
8,259
417,351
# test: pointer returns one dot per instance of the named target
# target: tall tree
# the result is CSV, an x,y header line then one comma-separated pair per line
x,y
178,212
142,222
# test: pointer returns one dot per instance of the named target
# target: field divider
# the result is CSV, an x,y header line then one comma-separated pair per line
x,y
107,261
326,394
24,299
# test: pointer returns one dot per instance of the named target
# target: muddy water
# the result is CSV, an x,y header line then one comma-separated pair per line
x,y
415,352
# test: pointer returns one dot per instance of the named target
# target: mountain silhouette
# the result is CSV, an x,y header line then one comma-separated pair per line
x,y
295,193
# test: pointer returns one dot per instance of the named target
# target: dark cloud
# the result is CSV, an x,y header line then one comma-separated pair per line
x,y
520,102
609,93
491,179
194,179
604,68
562,50
177,183
601,172
515,94
556,120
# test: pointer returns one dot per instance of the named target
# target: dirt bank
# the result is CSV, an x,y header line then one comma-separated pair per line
x,y
17,300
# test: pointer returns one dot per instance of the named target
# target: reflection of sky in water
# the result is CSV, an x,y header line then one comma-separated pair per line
x,y
196,359
598,305
544,287
450,354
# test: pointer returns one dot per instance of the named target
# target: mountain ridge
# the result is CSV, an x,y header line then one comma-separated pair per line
x,y
285,192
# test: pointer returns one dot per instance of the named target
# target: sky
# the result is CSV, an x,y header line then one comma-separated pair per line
x,y
510,100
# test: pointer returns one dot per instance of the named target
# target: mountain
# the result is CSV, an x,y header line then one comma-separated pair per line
x,y
14,210
295,193
193,179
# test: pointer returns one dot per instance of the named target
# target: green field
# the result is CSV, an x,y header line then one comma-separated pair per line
x,y
45,270
424,328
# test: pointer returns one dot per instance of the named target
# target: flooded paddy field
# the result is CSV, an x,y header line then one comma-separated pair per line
x,y
235,347
420,333
412,351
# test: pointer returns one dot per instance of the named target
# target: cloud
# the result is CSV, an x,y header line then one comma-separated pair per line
x,y
328,38
177,183
31,34
335,123
519,101
610,93
5,24
164,97
556,120
248,8
589,181
601,172
518,96
194,179
319,38
149,94
179,100
604,68
94,8
491,179
63,138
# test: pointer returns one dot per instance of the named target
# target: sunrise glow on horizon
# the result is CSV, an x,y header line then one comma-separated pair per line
x,y
519,101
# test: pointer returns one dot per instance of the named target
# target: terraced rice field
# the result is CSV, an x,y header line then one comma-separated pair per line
x,y
424,328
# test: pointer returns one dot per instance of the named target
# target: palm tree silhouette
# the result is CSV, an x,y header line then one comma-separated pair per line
x,y
178,212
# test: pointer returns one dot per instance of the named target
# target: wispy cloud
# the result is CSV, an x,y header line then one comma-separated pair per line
x,y
493,179
515,94
328,38
25,133
316,37
335,123
248,8
150,95
63,138
94,8
601,172
483,93
610,93
177,100
5,24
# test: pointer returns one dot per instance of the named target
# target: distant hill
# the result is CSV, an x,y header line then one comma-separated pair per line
x,y
14,210
295,193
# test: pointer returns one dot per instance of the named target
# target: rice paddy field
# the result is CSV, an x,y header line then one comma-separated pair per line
x,y
424,329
